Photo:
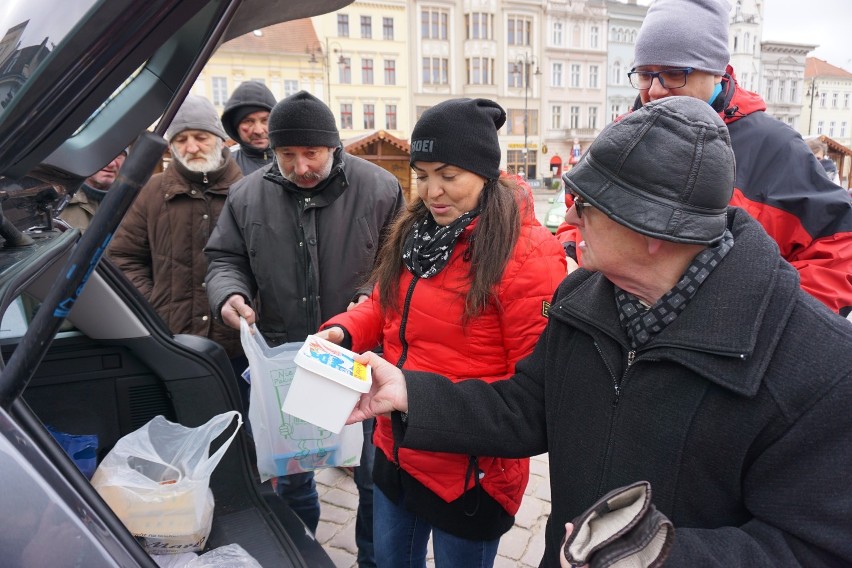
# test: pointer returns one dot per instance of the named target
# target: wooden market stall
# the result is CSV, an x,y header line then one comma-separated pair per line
x,y
389,152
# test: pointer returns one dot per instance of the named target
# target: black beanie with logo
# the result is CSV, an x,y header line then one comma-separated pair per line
x,y
302,120
462,133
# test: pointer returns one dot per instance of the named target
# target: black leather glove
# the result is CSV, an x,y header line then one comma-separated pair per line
x,y
622,528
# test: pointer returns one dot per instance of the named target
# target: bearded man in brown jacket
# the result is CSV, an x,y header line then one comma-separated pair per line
x,y
160,242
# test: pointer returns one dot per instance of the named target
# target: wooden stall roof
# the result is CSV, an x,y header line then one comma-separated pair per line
x,y
834,146
361,144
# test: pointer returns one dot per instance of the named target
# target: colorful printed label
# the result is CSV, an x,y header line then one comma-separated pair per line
x,y
337,358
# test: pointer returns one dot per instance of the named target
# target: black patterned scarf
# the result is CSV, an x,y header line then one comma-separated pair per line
x,y
429,245
642,323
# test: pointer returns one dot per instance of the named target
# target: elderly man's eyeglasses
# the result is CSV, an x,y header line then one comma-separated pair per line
x,y
669,79
580,204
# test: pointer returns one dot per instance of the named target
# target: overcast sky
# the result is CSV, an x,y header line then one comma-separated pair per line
x,y
825,23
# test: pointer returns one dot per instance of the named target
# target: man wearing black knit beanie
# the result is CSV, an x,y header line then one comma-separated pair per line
x,y
294,247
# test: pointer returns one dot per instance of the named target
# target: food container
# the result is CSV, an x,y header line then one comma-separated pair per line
x,y
327,384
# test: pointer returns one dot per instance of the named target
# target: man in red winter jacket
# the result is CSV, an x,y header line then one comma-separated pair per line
x,y
682,49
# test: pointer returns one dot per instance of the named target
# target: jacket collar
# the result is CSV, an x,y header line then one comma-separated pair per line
x,y
730,329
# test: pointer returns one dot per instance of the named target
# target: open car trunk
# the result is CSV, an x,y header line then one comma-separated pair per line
x,y
113,369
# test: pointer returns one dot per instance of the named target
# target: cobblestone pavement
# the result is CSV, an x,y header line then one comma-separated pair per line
x,y
521,547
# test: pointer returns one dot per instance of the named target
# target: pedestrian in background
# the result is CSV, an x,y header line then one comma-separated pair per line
x,y
81,206
471,250
681,353
294,247
159,244
819,149
246,120
682,49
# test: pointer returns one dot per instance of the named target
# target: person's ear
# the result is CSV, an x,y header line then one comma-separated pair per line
x,y
654,245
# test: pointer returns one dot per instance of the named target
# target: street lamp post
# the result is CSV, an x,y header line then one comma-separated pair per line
x,y
526,61
341,61
812,92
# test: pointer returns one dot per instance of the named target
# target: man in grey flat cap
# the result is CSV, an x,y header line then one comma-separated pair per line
x,y
677,386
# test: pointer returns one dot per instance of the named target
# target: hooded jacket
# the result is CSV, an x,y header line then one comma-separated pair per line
x,y
160,242
299,256
428,333
734,413
248,94
779,182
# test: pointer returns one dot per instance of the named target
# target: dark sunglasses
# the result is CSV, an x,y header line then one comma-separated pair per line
x,y
580,204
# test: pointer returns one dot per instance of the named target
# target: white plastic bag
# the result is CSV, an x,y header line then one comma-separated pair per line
x,y
156,480
228,556
286,444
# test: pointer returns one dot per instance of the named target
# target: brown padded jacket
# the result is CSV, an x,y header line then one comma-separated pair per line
x,y
160,242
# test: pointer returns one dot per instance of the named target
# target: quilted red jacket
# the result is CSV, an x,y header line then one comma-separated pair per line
x,y
427,334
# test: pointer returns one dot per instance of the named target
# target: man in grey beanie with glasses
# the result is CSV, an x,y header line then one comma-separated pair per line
x,y
682,50
677,386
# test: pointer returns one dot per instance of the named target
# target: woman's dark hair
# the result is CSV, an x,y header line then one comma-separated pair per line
x,y
492,241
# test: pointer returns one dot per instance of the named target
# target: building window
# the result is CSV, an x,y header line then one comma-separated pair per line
x,y
418,112
369,117
345,116
367,27
843,129
390,72
343,25
515,122
220,91
613,112
478,25
435,71
480,71
575,117
834,100
515,79
556,36
433,23
556,117
794,91
344,72
593,37
616,73
390,117
846,100
519,30
387,28
575,75
822,97
593,76
367,71
820,126
556,74
291,87
770,84
593,117
782,90
831,126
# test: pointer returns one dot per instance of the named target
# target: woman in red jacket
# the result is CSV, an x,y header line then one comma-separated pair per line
x,y
462,287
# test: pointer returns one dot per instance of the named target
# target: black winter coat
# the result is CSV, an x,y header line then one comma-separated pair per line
x,y
299,256
737,413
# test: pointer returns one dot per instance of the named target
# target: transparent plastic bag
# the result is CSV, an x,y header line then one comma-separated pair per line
x,y
285,444
156,480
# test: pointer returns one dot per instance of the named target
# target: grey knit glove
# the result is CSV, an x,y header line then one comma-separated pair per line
x,y
622,529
